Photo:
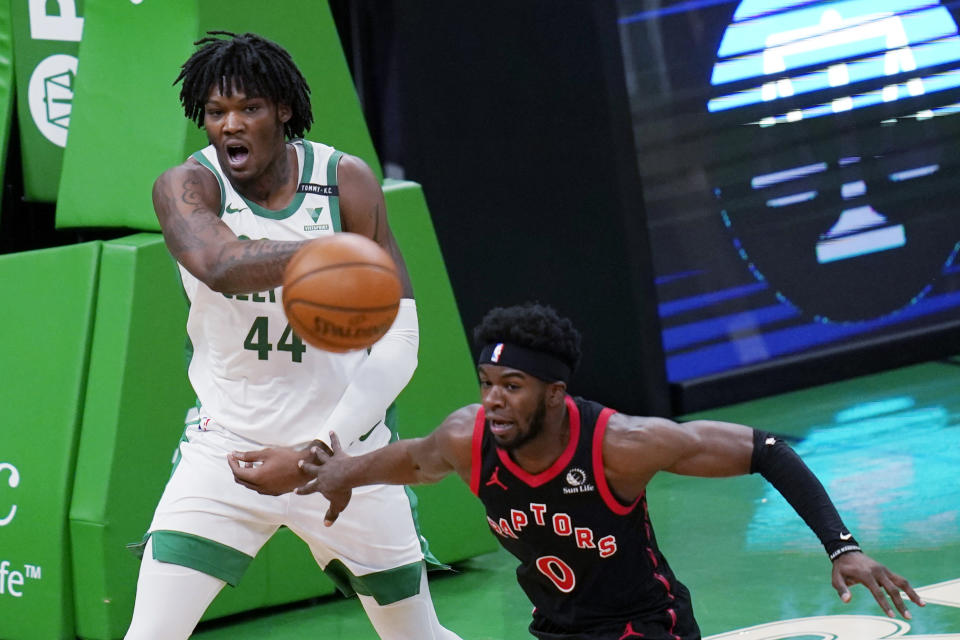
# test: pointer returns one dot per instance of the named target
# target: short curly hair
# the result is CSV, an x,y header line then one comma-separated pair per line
x,y
257,66
534,326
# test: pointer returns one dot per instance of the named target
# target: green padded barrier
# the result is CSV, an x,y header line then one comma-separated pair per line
x,y
6,79
46,320
451,517
133,415
127,126
132,421
45,38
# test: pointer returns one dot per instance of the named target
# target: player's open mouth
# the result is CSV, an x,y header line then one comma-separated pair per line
x,y
237,154
499,428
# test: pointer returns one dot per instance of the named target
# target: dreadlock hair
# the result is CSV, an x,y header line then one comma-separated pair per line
x,y
248,63
531,325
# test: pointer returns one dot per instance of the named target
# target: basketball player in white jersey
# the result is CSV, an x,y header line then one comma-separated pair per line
x,y
232,215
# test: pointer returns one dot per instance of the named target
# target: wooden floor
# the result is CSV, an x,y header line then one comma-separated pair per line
x,y
887,447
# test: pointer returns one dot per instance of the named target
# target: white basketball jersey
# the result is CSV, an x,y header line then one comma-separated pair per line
x,y
252,374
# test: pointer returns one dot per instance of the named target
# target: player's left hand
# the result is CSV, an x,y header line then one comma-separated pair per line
x,y
857,567
272,472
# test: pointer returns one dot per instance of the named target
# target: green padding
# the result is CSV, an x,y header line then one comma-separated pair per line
x,y
116,35
112,55
450,516
45,36
202,554
386,587
6,79
47,318
131,424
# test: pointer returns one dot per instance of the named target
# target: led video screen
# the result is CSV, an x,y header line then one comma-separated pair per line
x,y
798,162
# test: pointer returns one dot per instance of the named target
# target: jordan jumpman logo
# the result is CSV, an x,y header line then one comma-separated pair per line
x,y
630,633
496,480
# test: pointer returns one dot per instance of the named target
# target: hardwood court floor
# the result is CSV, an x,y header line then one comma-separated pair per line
x,y
887,447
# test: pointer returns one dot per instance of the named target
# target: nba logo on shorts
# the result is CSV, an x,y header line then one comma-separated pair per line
x,y
205,423
497,350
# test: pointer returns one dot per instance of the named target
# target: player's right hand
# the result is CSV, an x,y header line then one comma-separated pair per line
x,y
858,568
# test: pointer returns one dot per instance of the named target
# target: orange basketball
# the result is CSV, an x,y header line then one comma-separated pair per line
x,y
341,292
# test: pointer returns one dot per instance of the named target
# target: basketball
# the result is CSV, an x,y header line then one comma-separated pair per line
x,y
341,292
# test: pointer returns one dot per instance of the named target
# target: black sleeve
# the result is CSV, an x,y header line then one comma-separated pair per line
x,y
782,467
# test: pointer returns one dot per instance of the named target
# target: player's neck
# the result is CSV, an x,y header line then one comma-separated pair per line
x,y
275,187
540,453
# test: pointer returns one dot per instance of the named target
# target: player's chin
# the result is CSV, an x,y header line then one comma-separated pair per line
x,y
507,439
240,172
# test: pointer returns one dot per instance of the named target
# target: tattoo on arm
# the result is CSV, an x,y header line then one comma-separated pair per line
x,y
198,238
256,264
179,231
191,194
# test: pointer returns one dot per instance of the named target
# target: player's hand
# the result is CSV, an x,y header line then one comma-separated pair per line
x,y
856,567
271,472
322,467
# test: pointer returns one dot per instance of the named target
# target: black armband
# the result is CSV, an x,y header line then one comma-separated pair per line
x,y
782,467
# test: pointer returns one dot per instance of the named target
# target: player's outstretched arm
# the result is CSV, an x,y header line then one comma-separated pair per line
x,y
636,448
713,449
412,461
186,199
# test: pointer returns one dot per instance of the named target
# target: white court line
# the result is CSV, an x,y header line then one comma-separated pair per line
x,y
839,627
853,627
945,593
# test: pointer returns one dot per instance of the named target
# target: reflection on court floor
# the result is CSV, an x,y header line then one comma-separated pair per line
x,y
891,467
887,448
830,628
855,627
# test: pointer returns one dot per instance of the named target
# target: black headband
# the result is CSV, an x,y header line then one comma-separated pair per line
x,y
541,364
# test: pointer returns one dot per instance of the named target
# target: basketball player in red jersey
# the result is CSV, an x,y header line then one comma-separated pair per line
x,y
563,481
